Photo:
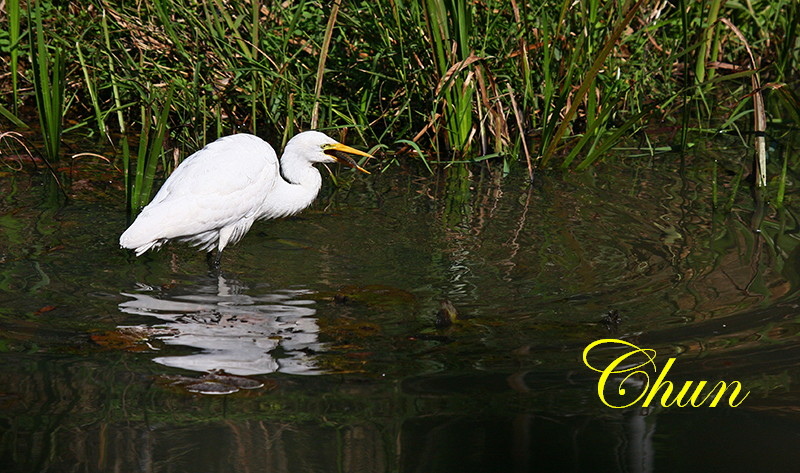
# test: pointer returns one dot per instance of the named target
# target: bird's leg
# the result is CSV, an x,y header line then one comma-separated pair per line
x,y
213,260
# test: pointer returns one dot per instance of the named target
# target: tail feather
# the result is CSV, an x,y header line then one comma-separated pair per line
x,y
148,232
134,239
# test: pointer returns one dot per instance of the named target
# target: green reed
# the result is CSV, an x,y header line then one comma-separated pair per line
x,y
588,84
91,88
788,54
14,17
708,51
449,24
49,82
494,83
154,119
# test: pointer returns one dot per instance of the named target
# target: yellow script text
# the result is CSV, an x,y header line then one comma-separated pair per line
x,y
633,369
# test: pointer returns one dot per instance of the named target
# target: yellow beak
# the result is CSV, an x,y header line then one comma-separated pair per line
x,y
346,160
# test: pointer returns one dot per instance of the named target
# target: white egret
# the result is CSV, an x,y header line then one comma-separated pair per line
x,y
214,196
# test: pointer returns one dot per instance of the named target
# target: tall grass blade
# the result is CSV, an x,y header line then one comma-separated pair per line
x,y
613,138
14,18
518,118
9,115
90,86
49,83
597,65
759,114
706,45
117,97
419,152
323,57
151,143
449,24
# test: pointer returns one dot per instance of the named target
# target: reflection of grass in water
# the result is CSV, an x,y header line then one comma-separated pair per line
x,y
386,376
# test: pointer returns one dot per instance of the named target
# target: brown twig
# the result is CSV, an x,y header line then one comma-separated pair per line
x,y
759,113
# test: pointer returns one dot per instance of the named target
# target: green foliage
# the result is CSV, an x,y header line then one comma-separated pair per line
x,y
11,45
449,25
475,81
49,82
151,148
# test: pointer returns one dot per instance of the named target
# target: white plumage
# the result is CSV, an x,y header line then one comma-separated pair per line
x,y
214,196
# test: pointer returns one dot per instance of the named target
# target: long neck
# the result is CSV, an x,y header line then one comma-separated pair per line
x,y
295,190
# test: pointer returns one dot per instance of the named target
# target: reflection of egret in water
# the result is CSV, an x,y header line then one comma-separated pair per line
x,y
241,334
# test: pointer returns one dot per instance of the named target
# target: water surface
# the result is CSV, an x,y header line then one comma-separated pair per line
x,y
333,314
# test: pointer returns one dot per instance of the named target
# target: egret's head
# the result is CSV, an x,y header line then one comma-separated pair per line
x,y
318,147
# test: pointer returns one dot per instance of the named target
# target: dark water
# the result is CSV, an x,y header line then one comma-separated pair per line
x,y
334,315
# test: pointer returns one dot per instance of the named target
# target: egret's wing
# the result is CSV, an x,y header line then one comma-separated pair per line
x,y
217,186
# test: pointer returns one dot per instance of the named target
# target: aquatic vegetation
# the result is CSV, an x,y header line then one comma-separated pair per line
x,y
449,26
498,84
14,18
48,63
139,175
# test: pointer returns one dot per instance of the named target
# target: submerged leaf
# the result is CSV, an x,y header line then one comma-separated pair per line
x,y
44,309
